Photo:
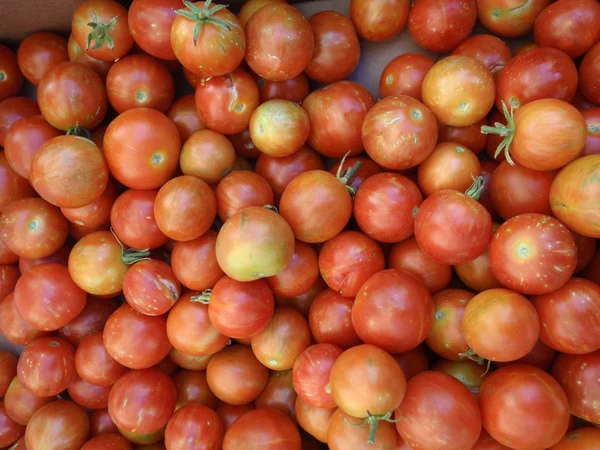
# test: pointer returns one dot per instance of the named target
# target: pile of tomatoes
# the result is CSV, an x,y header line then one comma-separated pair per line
x,y
280,261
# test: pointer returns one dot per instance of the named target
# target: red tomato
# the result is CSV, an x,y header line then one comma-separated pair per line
x,y
569,25
289,326
588,75
533,254
534,75
72,95
11,78
404,75
194,263
192,388
486,442
586,248
109,440
10,431
454,21
12,186
347,432
90,320
184,115
79,56
477,274
150,23
569,317
367,169
94,364
8,370
425,422
384,206
21,404
524,407
13,109
255,243
459,90
150,287
58,425
399,132
337,50
540,356
300,276
13,327
88,395
9,275
378,21
266,428
509,18
446,336
235,375
393,310
239,190
348,260
592,120
103,23
189,362
279,394
230,413
139,81
471,136
195,424
280,42
469,373
336,115
142,401
142,148
413,361
6,256
144,439
101,423
580,439
207,155
251,6
39,53
315,421
490,50
95,214
573,193
330,320
295,89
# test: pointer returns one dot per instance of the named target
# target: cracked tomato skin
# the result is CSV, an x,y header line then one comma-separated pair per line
x,y
151,288
490,50
510,18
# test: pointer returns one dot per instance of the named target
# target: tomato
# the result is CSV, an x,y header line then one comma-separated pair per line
x,y
346,432
144,439
33,228
79,56
94,364
142,148
413,361
279,394
404,75
313,420
524,407
337,50
39,53
533,254
207,155
10,431
453,228
194,425
225,104
11,78
239,190
459,90
8,370
235,375
592,120
103,23
240,310
426,422
471,136
7,256
367,169
279,172
289,326
88,395
568,317
586,248
9,275
142,401
569,25
477,274
150,25
194,263
72,95
13,186
255,243
23,140
230,413
588,75
95,214
534,75
13,327
192,388
184,114
110,440
449,166
578,376
189,362
572,193
384,206
58,425
251,6
13,109
399,132
264,428
139,81
295,89
469,373
101,423
21,404
151,288
486,442
509,18
490,50
378,21
348,260
540,356
330,320
581,439
336,115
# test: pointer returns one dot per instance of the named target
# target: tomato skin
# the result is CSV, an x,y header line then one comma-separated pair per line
x,y
197,423
586,248
8,370
20,404
192,388
534,75
413,361
592,120
207,155
471,136
142,401
300,276
101,423
337,50
12,78
58,425
194,263
452,228
139,81
585,438
380,20
142,147
468,372
239,190
486,442
455,20
150,25
94,364
336,115
343,435
13,327
151,288
189,362
330,320
10,431
279,394
12,185
72,95
184,114
525,395
383,207
490,50
295,89
95,214
477,274
114,440
459,90
278,32
40,52
79,56
533,254
569,25
13,109
509,18
393,310
88,395
9,275
348,260
405,122
588,75
569,317
264,428
572,194
315,421
404,75
230,413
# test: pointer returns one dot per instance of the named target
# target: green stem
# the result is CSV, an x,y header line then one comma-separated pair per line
x,y
202,16
346,175
100,33
470,354
271,208
476,188
131,255
373,421
506,131
81,132
203,298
